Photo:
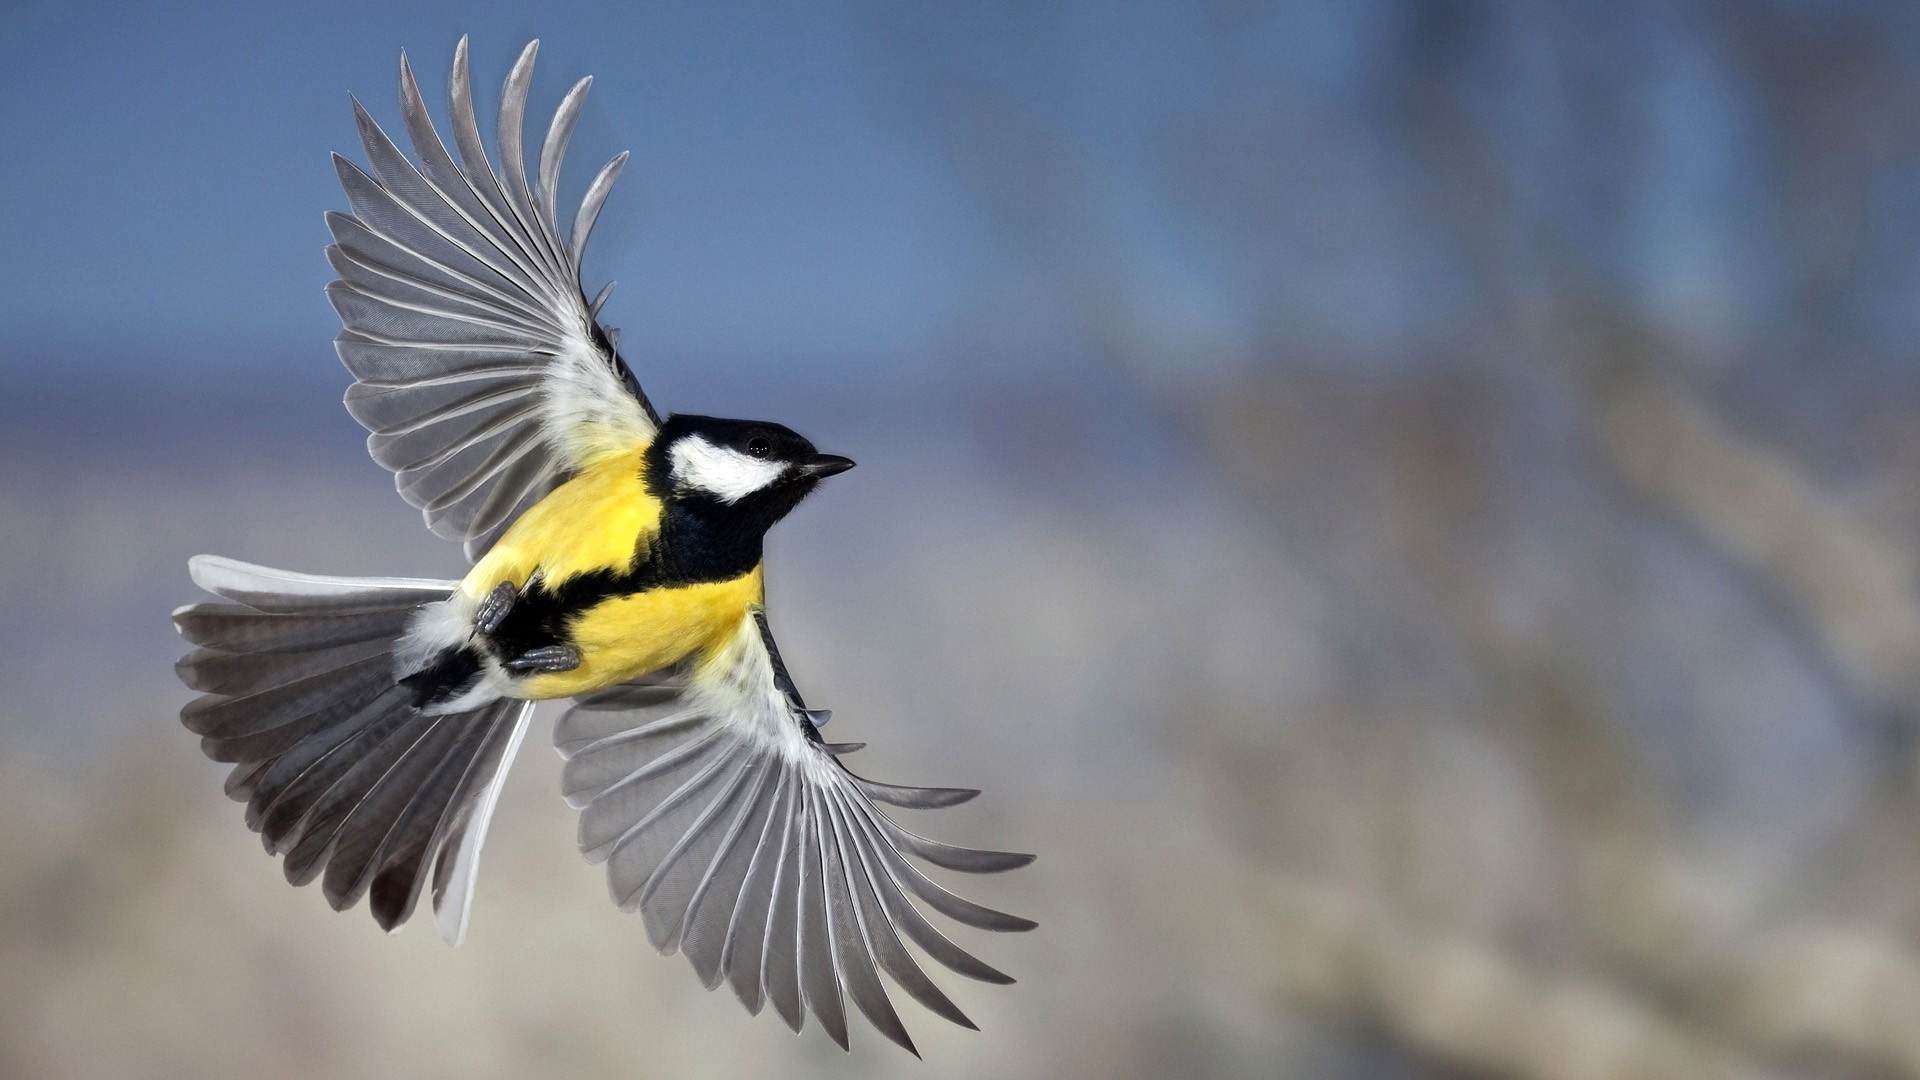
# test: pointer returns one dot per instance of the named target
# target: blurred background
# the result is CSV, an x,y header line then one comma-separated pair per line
x,y
1409,506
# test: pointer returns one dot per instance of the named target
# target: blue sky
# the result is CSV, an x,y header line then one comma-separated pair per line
x,y
1244,180
168,169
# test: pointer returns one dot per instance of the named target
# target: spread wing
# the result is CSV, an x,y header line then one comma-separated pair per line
x,y
744,843
480,369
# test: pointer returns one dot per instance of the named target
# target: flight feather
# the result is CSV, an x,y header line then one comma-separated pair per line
x,y
481,371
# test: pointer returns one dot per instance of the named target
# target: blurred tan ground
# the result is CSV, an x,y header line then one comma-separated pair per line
x,y
1267,847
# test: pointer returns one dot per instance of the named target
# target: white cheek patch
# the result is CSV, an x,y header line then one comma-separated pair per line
x,y
727,475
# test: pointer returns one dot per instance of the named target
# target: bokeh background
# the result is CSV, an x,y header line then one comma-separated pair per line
x,y
1409,506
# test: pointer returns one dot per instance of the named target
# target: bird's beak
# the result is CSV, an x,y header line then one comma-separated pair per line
x,y
823,465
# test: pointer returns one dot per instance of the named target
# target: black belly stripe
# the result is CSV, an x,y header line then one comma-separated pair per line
x,y
693,547
447,676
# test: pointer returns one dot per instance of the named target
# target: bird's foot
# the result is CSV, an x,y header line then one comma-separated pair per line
x,y
545,660
493,610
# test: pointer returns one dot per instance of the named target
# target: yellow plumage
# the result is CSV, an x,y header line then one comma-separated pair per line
x,y
628,636
596,521
591,522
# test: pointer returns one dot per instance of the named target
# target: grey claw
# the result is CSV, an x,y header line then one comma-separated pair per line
x,y
493,610
819,717
545,660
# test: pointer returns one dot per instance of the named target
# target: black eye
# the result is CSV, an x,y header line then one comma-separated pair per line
x,y
759,447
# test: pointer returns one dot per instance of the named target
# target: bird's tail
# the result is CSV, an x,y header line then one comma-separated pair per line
x,y
340,770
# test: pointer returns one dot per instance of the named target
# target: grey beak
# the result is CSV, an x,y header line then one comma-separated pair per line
x,y
824,465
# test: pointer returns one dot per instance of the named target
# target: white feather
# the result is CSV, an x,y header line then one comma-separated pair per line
x,y
738,684
493,684
585,409
453,908
724,473
431,631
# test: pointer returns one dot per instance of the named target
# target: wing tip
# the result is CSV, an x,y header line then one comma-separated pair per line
x,y
219,574
199,568
523,64
452,931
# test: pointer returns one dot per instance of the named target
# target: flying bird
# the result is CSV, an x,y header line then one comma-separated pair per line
x,y
616,559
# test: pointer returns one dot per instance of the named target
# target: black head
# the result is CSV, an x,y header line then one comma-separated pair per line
x,y
750,469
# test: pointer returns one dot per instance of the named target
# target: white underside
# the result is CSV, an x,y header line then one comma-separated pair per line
x,y
740,687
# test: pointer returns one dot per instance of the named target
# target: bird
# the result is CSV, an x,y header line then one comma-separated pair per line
x,y
616,558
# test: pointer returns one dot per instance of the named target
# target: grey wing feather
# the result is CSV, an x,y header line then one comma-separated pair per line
x,y
483,376
886,948
819,974
854,947
463,830
710,909
745,844
743,950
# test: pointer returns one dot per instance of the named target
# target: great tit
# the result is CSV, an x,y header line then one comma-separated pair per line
x,y
616,560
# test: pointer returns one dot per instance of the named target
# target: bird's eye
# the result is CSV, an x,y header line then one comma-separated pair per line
x,y
759,447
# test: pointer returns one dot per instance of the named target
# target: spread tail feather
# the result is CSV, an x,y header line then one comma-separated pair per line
x,y
343,775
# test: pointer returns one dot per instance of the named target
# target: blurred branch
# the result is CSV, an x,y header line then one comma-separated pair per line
x,y
1671,971
1657,965
1851,587
1690,945
1353,954
1463,1002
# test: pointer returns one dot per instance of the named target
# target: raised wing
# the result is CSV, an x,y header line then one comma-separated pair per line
x,y
744,843
480,369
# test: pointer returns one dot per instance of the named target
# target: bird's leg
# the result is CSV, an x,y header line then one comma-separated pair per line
x,y
493,610
545,660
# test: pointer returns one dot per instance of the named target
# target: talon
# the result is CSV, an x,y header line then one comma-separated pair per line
x,y
545,660
493,610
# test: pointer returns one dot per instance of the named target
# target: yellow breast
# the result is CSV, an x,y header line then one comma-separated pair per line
x,y
625,637
595,521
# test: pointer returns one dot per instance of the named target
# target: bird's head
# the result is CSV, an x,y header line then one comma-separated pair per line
x,y
750,468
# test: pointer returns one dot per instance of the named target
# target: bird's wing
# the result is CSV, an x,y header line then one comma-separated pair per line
x,y
745,843
480,369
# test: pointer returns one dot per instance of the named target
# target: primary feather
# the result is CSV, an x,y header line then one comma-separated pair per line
x,y
745,843
480,369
